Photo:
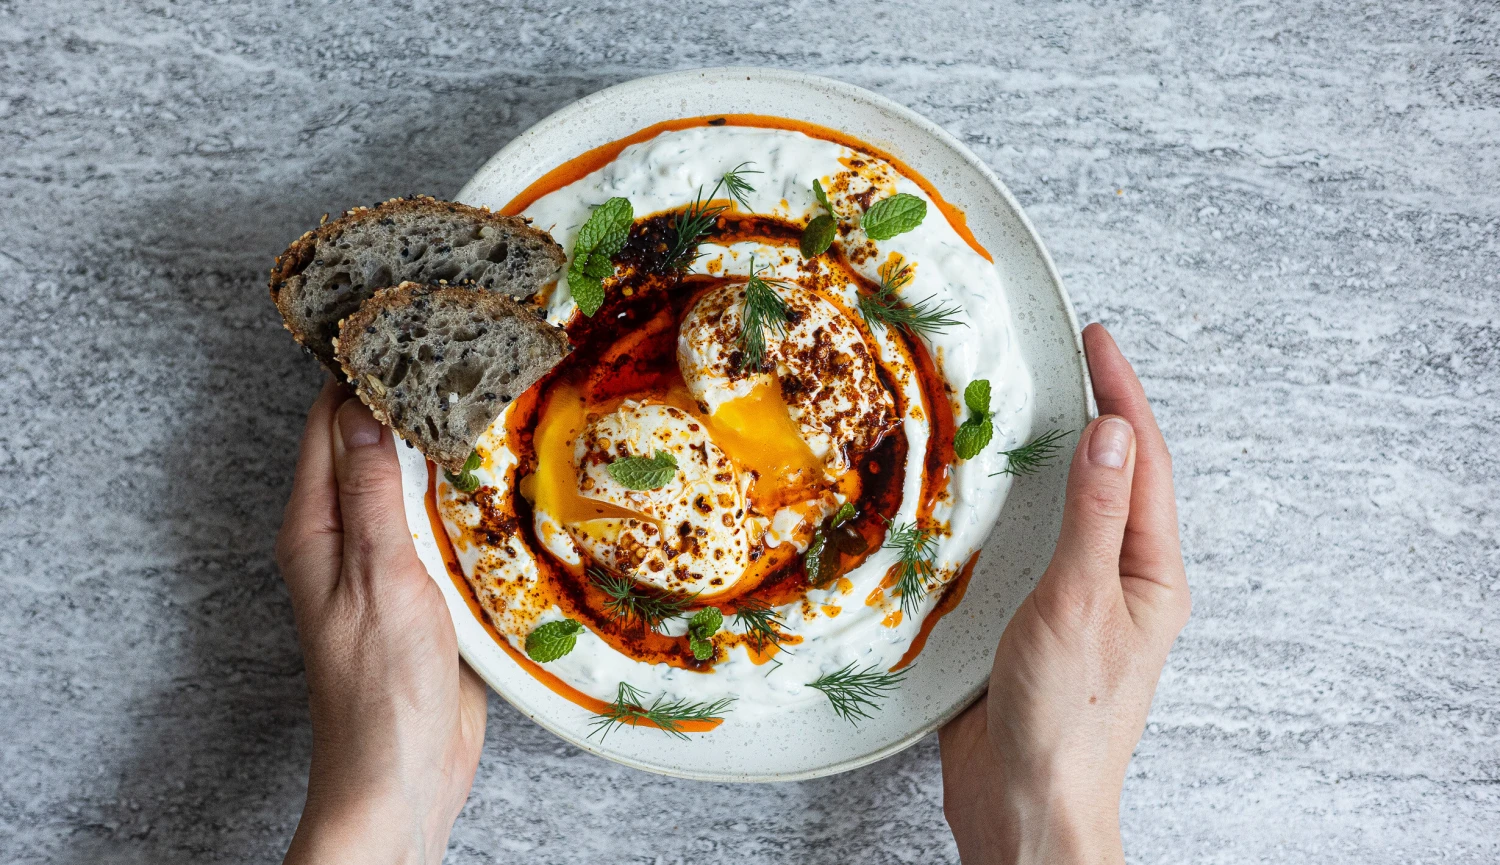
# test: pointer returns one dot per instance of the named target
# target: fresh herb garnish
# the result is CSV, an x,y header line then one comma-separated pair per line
x,y
644,473
978,428
694,223
844,514
763,308
465,481
553,640
600,238
917,551
889,217
854,693
626,600
1032,456
691,225
759,622
822,197
818,236
887,310
701,629
829,539
821,229
630,707
735,185
818,558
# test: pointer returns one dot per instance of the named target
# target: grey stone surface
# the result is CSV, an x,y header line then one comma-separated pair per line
x,y
1288,212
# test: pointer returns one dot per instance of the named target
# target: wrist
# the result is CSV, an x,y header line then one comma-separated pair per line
x,y
365,829
1012,822
1062,826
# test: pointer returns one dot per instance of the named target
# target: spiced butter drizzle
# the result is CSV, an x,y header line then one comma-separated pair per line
x,y
627,349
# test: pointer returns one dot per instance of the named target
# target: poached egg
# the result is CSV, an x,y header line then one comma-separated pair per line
x,y
823,372
690,536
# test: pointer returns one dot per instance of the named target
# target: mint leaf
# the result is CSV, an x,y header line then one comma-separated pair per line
x,y
603,235
828,540
813,558
597,267
644,473
977,396
553,640
607,228
892,216
842,515
848,541
818,235
701,629
464,481
822,197
706,622
976,430
972,436
587,291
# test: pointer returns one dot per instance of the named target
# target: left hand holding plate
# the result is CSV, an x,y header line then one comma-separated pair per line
x,y
398,718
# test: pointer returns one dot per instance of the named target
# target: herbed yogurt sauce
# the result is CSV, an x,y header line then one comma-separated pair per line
x,y
663,174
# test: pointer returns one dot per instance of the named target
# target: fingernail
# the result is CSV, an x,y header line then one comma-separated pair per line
x,y
1110,444
357,427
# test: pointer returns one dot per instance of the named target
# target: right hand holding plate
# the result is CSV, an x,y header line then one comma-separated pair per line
x,y
1033,771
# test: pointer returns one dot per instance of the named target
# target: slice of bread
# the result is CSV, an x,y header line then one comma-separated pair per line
x,y
439,363
328,272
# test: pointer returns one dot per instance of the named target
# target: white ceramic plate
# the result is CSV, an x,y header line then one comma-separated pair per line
x,y
955,665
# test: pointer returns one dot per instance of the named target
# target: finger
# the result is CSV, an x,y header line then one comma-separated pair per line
x,y
1097,506
377,543
310,541
1151,549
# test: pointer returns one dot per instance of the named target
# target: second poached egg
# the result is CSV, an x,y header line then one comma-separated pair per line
x,y
692,536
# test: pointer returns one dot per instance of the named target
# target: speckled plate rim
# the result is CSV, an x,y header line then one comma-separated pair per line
x,y
1004,576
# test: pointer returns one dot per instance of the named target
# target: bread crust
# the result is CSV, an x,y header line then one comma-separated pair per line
x,y
290,263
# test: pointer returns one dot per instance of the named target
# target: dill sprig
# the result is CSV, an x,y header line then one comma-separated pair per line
x,y
917,551
854,693
735,184
760,622
763,307
626,600
1034,455
630,707
694,223
886,309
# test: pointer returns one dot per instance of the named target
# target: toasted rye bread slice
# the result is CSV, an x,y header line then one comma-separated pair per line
x,y
328,272
439,363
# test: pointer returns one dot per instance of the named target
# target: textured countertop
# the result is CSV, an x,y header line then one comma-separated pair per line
x,y
1288,213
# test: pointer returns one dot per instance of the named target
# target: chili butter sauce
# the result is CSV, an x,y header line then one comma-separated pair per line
x,y
628,350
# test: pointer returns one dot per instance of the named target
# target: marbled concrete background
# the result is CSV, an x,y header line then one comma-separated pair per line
x,y
1289,213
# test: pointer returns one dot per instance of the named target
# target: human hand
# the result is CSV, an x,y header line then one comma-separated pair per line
x,y
398,719
1033,771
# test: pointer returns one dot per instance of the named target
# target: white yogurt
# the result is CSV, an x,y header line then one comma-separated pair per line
x,y
665,173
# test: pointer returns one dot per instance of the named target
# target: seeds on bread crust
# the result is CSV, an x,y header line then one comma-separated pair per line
x,y
439,363
326,274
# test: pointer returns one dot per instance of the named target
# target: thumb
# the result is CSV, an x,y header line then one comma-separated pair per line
x,y
1098,503
370,500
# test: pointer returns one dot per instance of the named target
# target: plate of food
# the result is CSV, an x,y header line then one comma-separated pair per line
x,y
733,405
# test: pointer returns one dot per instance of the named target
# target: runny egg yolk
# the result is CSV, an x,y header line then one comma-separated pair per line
x,y
554,488
755,431
758,434
838,403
